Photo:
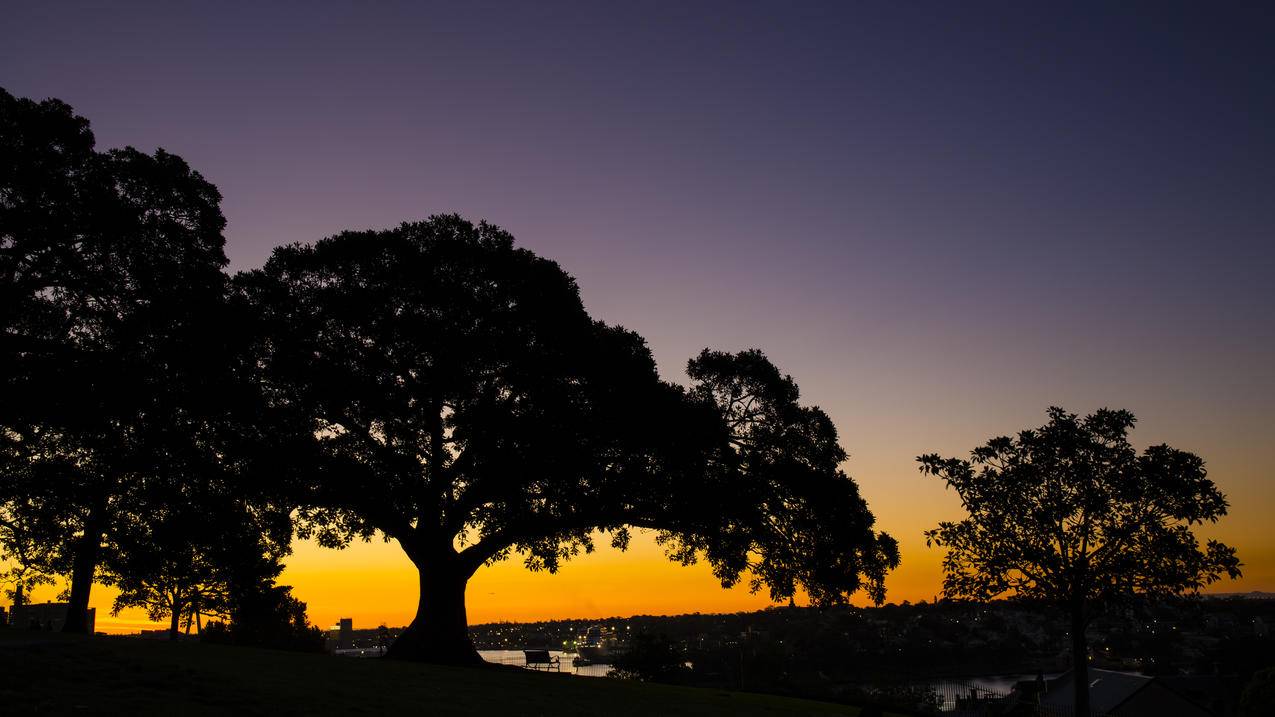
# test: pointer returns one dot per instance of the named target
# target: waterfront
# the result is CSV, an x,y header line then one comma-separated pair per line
x,y
985,684
1001,684
516,657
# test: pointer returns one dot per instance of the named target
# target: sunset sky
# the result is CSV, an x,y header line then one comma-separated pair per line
x,y
940,218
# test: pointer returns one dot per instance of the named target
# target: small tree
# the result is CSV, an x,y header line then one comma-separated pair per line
x,y
263,614
650,658
184,593
180,561
27,557
1072,515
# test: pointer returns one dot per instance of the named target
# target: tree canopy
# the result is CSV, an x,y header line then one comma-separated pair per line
x,y
184,557
1071,514
110,281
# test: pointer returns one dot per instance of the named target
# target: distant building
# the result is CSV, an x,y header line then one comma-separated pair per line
x,y
45,616
341,635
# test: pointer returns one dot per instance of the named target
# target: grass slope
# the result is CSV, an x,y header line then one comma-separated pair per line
x,y
42,673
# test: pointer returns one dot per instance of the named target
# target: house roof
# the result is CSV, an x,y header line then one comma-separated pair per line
x,y
1107,689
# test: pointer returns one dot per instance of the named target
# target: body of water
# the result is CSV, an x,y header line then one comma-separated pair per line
x,y
517,659
998,684
1002,683
947,688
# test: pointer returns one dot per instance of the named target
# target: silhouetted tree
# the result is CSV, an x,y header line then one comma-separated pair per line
x,y
180,560
463,403
263,614
1071,514
1258,697
110,278
27,556
169,589
650,658
813,531
28,560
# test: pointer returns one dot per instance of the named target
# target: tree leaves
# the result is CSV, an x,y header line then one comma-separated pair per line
x,y
1071,511
111,277
461,399
800,522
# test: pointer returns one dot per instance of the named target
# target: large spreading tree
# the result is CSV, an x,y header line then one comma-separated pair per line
x,y
111,287
463,403
1071,514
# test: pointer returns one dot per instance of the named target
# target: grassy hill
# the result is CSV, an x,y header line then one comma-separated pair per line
x,y
43,673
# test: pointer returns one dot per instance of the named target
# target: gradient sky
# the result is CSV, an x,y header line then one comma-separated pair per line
x,y
940,218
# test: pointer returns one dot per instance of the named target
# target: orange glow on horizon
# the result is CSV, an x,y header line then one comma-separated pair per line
x,y
374,583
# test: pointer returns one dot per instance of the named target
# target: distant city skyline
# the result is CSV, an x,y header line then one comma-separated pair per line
x,y
940,219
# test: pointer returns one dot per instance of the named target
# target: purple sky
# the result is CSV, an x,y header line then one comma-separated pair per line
x,y
939,217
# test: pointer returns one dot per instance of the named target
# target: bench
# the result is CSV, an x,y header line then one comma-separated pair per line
x,y
537,659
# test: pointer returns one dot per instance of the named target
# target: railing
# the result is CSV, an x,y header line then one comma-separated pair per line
x,y
376,651
957,697
964,699
947,697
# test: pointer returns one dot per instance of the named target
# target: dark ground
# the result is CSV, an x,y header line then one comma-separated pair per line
x,y
49,673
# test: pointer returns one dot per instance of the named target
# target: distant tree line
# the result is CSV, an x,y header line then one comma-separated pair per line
x,y
168,427
1208,649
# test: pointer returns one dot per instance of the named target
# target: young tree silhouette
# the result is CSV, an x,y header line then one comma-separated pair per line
x,y
1072,515
463,404
29,559
110,277
263,614
181,558
168,575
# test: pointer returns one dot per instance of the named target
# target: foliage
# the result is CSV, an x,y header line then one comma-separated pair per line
x,y
1259,695
893,697
650,658
110,273
432,382
263,614
180,562
801,519
1071,511
463,403
1071,514
445,374
27,559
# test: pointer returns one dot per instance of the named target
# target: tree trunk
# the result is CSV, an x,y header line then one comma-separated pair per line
x,y
1079,660
174,626
83,567
440,631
